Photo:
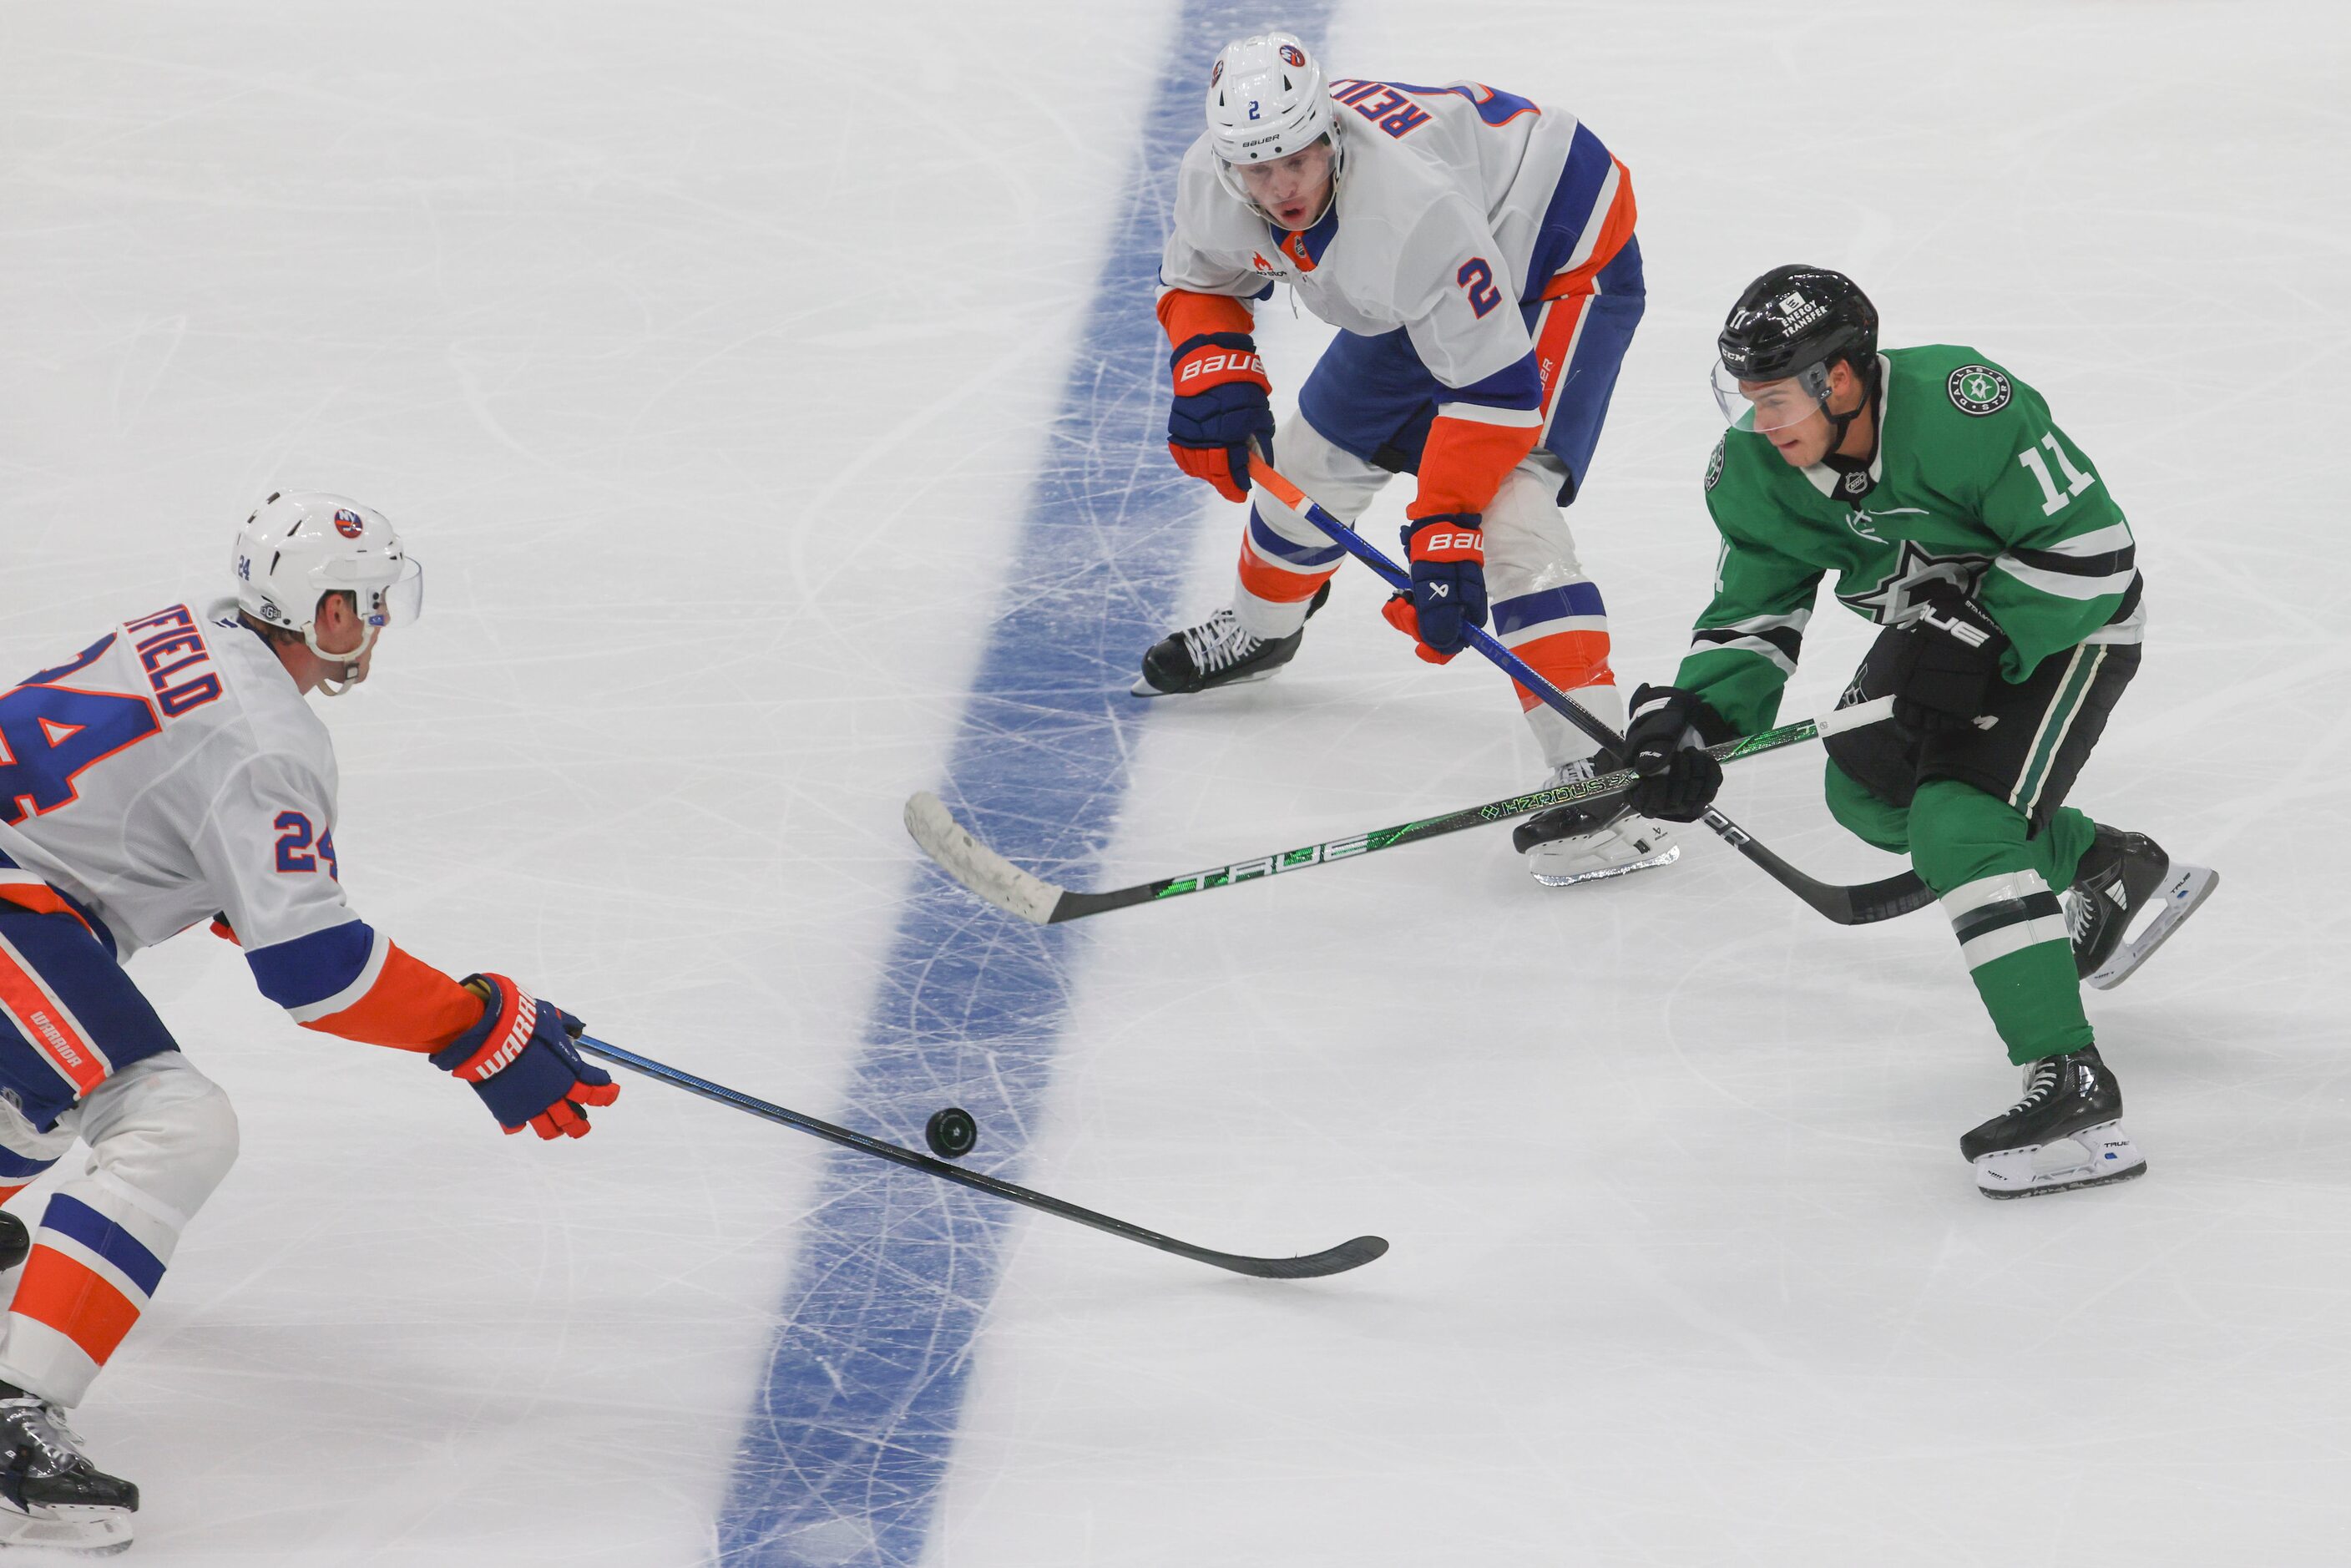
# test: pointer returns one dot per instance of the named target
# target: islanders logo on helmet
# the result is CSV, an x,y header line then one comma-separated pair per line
x,y
1293,56
347,524
1217,71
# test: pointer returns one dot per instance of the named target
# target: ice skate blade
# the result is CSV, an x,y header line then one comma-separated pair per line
x,y
82,1531
1671,854
2184,891
1145,689
2046,1189
2107,1155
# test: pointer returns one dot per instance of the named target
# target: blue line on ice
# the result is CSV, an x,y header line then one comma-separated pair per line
x,y
844,1456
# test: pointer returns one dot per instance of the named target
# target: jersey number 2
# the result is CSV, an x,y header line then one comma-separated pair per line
x,y
1478,280
50,734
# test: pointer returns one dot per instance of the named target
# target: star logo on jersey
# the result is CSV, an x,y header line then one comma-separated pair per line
x,y
1895,600
347,524
1714,465
1978,389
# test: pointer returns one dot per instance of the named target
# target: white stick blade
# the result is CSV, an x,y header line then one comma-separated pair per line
x,y
963,857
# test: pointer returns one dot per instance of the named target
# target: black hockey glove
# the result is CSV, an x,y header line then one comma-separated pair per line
x,y
1948,663
1667,748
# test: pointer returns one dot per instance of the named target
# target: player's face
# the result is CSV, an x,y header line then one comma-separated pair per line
x,y
1790,416
1292,191
339,631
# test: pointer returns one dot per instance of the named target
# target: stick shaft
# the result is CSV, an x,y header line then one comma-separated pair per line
x,y
1875,900
1352,1254
1075,906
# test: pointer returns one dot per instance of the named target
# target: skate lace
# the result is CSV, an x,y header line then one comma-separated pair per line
x,y
2039,1087
45,1428
2079,911
1219,642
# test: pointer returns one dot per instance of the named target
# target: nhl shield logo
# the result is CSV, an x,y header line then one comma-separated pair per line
x,y
1978,389
347,524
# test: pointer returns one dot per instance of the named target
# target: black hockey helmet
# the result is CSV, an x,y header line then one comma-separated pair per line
x,y
1794,321
1793,318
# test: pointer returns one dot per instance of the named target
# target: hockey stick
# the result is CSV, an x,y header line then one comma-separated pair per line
x,y
1857,906
1337,1260
979,868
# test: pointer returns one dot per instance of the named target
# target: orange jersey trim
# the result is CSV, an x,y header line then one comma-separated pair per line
x,y
1184,315
1614,230
412,1007
1465,463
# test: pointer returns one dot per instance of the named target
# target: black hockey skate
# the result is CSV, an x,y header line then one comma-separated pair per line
x,y
2066,1132
1592,839
50,1494
2121,877
1217,652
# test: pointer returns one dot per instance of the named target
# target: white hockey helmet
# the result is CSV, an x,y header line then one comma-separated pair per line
x,y
302,545
1266,99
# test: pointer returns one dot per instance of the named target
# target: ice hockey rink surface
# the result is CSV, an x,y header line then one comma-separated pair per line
x,y
772,394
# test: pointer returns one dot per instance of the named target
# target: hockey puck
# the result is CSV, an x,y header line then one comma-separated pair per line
x,y
15,1243
951,1132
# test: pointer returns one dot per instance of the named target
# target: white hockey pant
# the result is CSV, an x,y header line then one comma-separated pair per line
x,y
160,1136
1544,608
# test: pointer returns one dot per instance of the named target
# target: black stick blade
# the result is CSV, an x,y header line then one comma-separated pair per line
x,y
1337,1260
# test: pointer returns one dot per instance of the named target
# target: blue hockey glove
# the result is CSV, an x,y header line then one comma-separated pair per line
x,y
520,1060
1447,550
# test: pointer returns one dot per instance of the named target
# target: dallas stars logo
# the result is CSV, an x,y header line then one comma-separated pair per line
x,y
1978,389
1894,599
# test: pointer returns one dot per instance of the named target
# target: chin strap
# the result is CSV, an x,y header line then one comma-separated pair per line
x,y
349,664
1841,422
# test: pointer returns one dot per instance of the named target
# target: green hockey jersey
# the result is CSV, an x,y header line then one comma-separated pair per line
x,y
1972,483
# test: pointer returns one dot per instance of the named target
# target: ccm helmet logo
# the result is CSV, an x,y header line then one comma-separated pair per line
x,y
347,524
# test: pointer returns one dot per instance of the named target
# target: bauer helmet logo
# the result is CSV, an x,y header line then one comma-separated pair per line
x,y
1294,57
347,524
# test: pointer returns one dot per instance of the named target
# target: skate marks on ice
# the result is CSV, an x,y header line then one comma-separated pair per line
x,y
845,1450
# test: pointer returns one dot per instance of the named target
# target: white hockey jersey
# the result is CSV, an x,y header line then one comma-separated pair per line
x,y
173,772
1452,201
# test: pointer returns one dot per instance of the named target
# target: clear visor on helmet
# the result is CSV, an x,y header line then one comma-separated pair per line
x,y
1256,181
401,601
1766,406
395,603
